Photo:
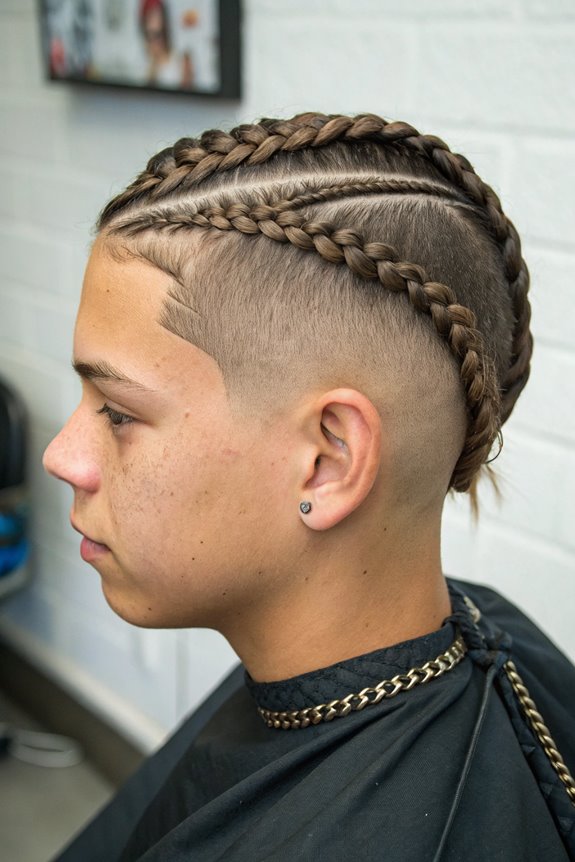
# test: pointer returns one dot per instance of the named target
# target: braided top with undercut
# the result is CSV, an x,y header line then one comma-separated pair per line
x,y
211,183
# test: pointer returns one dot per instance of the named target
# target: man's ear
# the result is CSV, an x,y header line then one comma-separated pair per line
x,y
341,465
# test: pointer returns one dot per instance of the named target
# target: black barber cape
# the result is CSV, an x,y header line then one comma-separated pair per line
x,y
449,770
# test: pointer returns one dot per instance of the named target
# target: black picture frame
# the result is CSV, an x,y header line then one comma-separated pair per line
x,y
82,67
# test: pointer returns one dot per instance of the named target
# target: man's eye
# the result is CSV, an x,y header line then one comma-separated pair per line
x,y
115,418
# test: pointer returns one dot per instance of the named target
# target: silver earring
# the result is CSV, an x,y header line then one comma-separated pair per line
x,y
305,507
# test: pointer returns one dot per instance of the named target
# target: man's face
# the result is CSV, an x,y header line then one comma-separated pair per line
x,y
181,500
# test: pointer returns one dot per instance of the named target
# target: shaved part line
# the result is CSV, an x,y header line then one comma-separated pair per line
x,y
170,215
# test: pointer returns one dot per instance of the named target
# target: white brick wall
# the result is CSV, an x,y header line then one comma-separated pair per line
x,y
496,80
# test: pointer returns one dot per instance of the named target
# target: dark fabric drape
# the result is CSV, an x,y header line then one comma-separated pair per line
x,y
449,770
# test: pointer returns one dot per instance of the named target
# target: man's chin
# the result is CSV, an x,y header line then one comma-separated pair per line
x,y
141,612
129,609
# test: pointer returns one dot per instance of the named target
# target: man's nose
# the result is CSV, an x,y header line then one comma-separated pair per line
x,y
71,456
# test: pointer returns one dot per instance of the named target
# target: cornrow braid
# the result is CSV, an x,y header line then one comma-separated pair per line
x,y
156,200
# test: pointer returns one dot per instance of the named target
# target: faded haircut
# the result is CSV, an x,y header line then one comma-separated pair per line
x,y
336,251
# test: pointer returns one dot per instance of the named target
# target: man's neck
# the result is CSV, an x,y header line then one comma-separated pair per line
x,y
343,604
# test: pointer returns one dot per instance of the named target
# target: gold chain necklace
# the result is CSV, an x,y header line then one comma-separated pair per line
x,y
388,688
384,690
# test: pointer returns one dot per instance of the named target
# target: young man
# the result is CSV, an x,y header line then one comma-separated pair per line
x,y
294,339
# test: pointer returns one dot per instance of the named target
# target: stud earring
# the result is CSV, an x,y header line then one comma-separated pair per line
x,y
305,507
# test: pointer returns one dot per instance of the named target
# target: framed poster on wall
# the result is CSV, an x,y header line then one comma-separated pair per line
x,y
189,46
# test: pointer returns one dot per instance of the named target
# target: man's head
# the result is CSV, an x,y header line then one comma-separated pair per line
x,y
337,309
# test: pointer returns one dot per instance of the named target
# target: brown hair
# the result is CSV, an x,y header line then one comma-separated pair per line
x,y
390,207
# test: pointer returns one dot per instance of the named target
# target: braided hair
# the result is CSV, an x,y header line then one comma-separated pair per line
x,y
276,179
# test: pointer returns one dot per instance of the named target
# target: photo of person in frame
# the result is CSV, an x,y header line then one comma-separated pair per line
x,y
165,67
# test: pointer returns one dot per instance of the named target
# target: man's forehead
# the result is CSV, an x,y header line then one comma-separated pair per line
x,y
132,281
121,303
119,324
122,344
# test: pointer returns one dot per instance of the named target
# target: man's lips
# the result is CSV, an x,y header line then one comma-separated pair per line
x,y
90,551
89,548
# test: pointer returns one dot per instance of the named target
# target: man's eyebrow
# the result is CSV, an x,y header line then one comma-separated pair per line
x,y
102,370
